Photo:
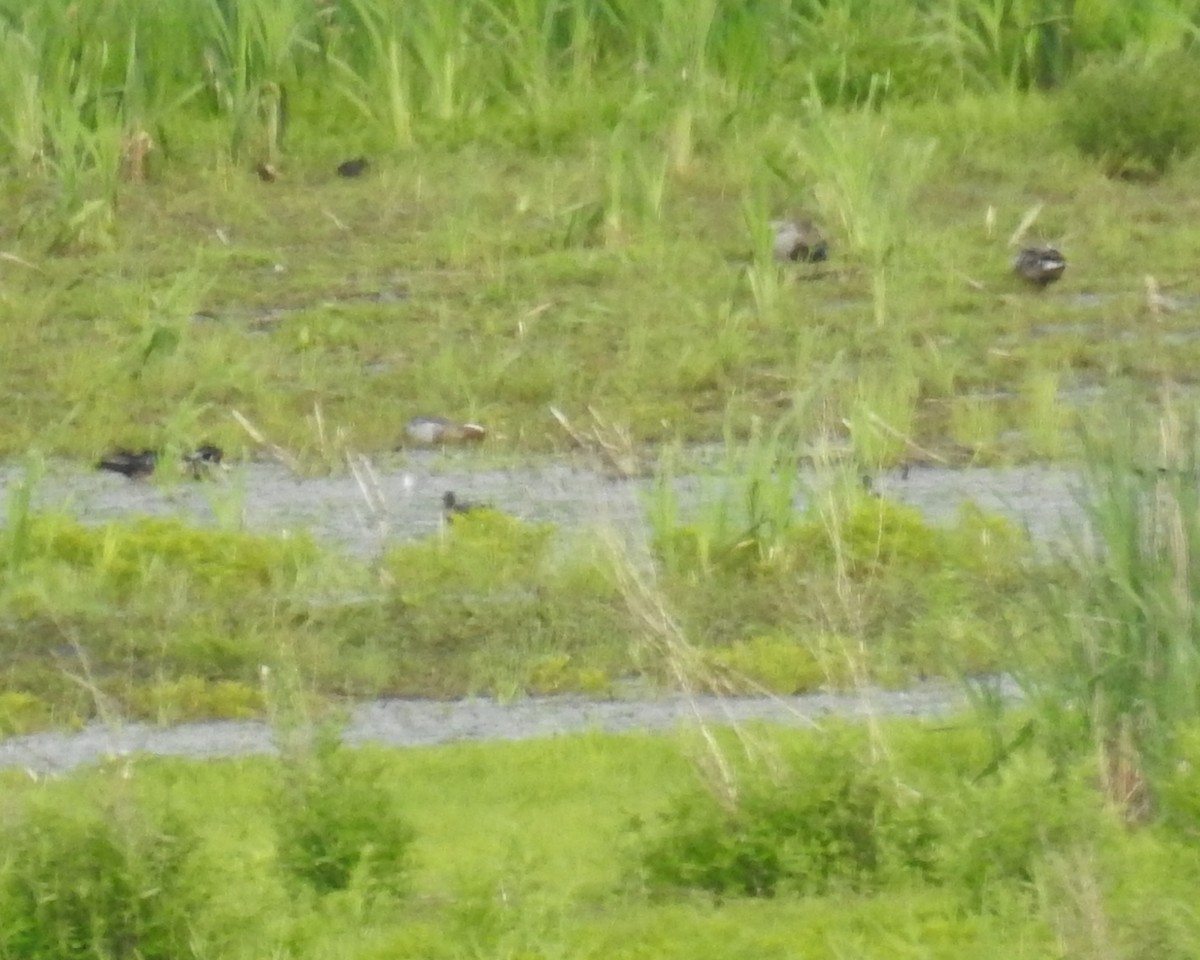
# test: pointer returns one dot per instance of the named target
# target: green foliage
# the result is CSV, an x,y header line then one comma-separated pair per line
x,y
893,591
101,877
995,831
191,698
835,821
335,821
1136,117
484,550
21,712
776,663
124,558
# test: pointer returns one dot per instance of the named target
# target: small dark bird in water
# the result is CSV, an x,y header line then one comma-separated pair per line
x,y
429,430
452,506
266,172
1040,266
204,460
353,168
798,241
130,464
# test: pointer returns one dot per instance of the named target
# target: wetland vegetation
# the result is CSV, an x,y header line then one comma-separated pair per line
x,y
563,233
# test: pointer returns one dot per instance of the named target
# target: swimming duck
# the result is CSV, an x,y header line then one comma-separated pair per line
x,y
430,430
130,464
798,240
1040,266
353,168
204,459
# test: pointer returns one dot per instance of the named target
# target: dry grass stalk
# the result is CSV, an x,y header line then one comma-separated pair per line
x,y
278,452
610,443
1070,888
692,674
134,151
908,441
1122,777
372,493
685,664
1027,221
1156,302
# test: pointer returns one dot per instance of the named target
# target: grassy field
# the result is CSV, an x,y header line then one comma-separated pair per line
x,y
566,208
560,848
578,217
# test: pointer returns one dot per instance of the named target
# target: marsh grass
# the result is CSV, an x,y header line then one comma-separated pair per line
x,y
1125,681
787,581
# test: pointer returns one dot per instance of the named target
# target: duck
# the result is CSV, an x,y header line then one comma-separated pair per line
x,y
798,241
430,430
1040,266
353,168
130,463
452,506
204,459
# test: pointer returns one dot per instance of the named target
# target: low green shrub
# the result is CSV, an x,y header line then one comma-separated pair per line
x,y
335,823
21,712
123,558
481,551
1135,117
835,821
106,879
996,831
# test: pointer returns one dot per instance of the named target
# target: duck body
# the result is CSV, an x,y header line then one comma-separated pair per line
x,y
1040,266
204,459
130,463
798,241
353,168
430,430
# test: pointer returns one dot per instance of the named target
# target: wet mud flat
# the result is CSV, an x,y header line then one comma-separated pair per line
x,y
419,723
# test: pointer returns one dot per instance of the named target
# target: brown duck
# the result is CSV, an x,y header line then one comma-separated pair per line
x,y
430,431
798,241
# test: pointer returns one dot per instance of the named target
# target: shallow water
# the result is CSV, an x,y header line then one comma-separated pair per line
x,y
268,498
406,494
411,723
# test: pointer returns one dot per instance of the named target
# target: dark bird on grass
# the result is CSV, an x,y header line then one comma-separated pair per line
x,y
129,463
204,459
429,430
1040,266
266,172
798,241
353,168
452,506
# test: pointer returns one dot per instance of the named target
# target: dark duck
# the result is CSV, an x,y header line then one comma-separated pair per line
x,y
453,507
1040,266
130,463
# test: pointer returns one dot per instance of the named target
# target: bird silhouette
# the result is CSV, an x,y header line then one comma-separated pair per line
x,y
353,168
129,463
